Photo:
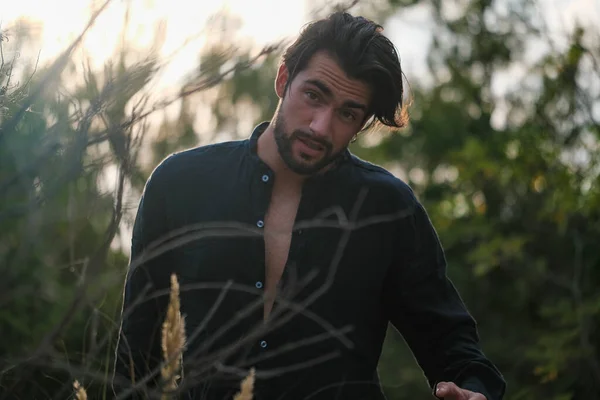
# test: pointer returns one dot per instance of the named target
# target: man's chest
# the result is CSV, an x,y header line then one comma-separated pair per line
x,y
324,261
257,240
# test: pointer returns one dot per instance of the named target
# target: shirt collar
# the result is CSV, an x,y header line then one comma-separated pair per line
x,y
253,141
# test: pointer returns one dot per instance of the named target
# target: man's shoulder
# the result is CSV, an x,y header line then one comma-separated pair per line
x,y
197,158
215,151
378,178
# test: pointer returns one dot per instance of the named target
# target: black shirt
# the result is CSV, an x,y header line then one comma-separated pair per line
x,y
363,253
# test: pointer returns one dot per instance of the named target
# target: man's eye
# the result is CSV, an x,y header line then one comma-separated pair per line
x,y
311,95
348,116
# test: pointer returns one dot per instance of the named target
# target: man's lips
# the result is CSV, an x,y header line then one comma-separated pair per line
x,y
312,144
310,148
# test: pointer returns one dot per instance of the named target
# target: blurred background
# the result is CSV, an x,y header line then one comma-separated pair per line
x,y
503,149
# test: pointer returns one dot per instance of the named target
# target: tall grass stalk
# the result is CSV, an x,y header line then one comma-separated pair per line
x,y
173,341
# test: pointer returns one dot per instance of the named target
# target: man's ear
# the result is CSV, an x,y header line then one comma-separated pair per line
x,y
281,80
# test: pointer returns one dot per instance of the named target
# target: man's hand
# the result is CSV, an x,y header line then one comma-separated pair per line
x,y
449,391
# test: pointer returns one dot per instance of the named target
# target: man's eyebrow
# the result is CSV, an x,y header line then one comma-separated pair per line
x,y
329,93
354,104
322,86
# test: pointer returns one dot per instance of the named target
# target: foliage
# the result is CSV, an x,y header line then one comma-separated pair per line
x,y
60,212
509,180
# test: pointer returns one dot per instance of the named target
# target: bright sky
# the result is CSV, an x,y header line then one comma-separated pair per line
x,y
264,21
60,22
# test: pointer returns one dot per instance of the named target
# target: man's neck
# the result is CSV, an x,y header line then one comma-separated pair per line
x,y
267,151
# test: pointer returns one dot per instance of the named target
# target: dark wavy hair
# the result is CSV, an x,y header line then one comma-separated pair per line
x,y
364,53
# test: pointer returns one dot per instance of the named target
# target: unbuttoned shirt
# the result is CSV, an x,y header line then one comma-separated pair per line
x,y
363,254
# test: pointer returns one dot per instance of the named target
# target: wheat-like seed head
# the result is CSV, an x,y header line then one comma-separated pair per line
x,y
247,387
173,339
80,393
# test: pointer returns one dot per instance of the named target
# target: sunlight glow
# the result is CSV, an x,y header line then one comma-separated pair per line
x,y
263,22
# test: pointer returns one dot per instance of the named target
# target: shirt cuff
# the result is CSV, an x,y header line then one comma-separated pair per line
x,y
475,385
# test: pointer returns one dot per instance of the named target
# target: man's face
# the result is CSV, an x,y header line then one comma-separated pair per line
x,y
320,113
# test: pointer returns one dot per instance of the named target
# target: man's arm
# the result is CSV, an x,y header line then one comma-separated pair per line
x,y
138,349
425,307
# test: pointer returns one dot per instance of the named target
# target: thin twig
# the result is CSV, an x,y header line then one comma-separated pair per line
x,y
54,71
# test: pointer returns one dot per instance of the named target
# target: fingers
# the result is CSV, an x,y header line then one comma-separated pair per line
x,y
448,391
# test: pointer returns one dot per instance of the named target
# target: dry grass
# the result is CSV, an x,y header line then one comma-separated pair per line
x,y
80,393
173,340
247,387
172,344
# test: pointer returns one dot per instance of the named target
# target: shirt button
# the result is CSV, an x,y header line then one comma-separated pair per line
x,y
263,344
265,178
258,285
260,223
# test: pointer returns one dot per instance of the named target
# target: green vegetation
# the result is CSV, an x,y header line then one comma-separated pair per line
x,y
509,180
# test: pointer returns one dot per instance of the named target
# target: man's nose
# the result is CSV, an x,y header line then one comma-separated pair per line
x,y
321,122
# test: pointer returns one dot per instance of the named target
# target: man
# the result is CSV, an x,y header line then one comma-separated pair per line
x,y
293,255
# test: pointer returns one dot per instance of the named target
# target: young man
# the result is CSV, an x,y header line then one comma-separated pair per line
x,y
292,254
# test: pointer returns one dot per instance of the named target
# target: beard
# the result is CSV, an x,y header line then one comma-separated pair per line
x,y
285,142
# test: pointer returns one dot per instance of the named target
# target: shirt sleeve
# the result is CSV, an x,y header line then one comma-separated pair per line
x,y
138,350
425,307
